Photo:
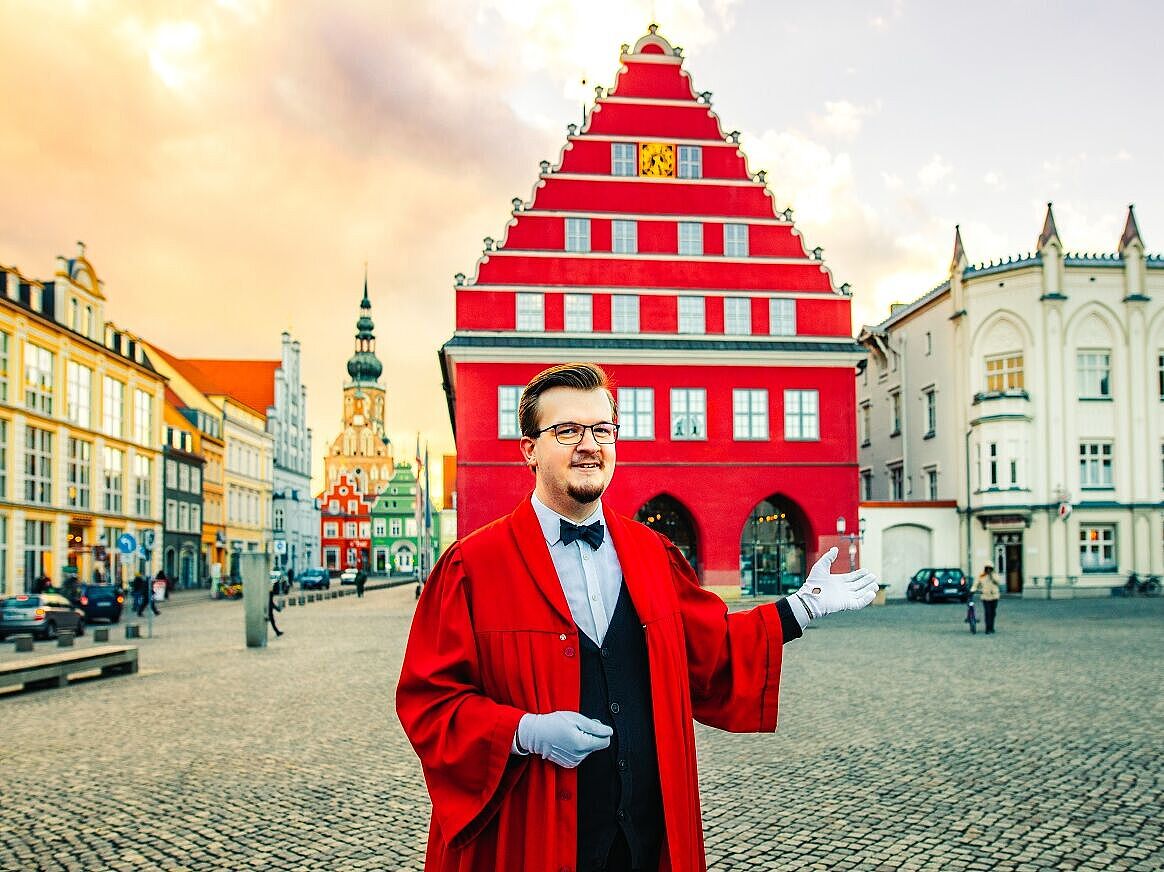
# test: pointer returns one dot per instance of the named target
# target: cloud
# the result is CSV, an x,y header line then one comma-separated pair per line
x,y
934,171
842,118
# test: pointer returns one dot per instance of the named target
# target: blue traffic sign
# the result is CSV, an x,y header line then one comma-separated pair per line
x,y
126,544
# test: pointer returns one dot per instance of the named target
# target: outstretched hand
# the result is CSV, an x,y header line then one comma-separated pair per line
x,y
824,593
565,738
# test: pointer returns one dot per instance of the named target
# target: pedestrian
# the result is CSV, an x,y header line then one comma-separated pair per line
x,y
558,657
43,584
290,578
273,607
361,580
167,582
143,595
987,584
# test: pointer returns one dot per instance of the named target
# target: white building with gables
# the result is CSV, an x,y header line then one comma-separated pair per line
x,y
1014,415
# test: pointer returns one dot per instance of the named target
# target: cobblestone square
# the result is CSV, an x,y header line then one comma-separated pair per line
x,y
904,743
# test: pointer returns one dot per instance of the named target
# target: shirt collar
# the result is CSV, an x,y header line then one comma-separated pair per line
x,y
550,520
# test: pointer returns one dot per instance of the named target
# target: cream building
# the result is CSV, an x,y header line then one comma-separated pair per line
x,y
1025,398
80,437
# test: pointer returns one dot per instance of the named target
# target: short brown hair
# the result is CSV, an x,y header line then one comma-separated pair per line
x,y
579,376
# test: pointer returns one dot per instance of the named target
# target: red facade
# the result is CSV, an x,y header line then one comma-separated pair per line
x,y
652,251
345,526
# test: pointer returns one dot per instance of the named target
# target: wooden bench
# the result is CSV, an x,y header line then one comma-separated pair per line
x,y
53,670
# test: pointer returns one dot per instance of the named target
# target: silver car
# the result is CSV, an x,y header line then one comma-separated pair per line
x,y
41,614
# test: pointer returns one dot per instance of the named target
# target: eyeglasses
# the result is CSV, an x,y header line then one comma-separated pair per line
x,y
569,433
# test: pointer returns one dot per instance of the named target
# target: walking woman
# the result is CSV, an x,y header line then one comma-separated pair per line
x,y
987,584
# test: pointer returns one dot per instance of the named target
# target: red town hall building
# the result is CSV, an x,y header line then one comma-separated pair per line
x,y
651,250
346,534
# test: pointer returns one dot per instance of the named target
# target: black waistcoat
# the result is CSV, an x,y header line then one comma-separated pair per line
x,y
618,788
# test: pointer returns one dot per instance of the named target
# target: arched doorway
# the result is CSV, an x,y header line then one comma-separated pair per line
x,y
186,564
772,553
671,518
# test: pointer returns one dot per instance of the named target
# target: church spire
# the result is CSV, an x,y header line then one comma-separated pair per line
x,y
1050,233
363,366
958,261
1131,231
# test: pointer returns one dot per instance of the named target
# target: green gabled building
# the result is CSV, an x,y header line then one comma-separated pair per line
x,y
396,545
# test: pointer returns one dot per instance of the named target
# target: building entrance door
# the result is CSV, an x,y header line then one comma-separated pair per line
x,y
1008,559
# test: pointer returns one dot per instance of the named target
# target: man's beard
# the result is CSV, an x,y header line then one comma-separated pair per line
x,y
585,494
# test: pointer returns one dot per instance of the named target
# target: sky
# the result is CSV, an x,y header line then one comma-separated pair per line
x,y
232,165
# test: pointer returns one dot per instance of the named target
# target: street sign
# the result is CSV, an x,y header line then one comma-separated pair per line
x,y
126,544
147,538
280,546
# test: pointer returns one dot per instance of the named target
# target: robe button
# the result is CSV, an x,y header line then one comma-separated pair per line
x,y
569,652
562,638
605,653
621,815
565,796
615,708
622,765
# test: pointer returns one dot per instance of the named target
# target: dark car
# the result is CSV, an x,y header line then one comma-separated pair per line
x,y
938,584
100,601
314,579
41,614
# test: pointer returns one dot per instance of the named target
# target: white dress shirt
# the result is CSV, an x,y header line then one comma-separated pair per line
x,y
591,579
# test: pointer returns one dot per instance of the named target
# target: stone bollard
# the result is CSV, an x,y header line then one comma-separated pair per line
x,y
100,634
65,639
133,631
23,642
302,599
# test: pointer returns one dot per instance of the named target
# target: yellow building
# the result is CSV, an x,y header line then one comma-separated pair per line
x,y
80,433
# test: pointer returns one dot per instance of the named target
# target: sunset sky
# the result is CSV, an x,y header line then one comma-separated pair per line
x,y
231,165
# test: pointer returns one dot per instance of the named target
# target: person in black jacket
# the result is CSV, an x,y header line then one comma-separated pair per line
x,y
273,607
143,596
361,580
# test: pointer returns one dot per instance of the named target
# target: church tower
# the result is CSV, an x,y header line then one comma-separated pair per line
x,y
362,450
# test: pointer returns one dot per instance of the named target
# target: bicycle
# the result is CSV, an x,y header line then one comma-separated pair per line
x,y
971,616
1148,585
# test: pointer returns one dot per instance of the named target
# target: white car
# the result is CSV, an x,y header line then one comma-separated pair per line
x,y
348,576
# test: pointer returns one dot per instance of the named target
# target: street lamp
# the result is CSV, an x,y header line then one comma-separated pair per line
x,y
851,538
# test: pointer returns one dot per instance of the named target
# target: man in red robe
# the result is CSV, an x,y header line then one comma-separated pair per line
x,y
559,655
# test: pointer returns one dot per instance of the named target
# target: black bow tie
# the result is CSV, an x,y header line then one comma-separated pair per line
x,y
591,534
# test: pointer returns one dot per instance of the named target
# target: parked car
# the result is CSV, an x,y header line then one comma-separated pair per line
x,y
100,601
41,614
314,579
348,576
938,584
279,581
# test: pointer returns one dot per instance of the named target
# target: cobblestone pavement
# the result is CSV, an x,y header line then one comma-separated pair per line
x,y
905,743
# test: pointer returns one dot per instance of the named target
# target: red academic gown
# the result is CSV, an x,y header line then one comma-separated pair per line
x,y
493,638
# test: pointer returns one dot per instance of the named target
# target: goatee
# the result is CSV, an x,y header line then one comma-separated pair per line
x,y
585,494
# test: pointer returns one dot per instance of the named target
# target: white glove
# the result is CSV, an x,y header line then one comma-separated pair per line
x,y
824,593
565,738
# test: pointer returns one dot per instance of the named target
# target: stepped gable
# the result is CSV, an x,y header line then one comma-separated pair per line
x,y
654,107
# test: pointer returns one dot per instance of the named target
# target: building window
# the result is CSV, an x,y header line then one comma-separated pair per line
x,y
782,317
929,343
350,529
896,483
38,378
1004,372
735,240
172,474
737,316
395,528
184,517
195,480
531,312
865,422
353,507
688,413
507,423
866,484
5,350
112,400
690,162
801,415
278,518
578,313
691,318
79,394
142,481
636,413
624,236
3,459
749,413
1159,375
114,462
622,159
379,527
143,418
690,237
330,530
992,462
577,234
38,465
3,552
931,398
331,558
932,483
171,515
895,413
38,545
79,470
1095,461
1097,548
624,313
1094,372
